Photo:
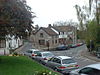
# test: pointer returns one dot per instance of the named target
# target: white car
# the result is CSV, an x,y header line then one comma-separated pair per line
x,y
93,69
43,57
63,64
32,52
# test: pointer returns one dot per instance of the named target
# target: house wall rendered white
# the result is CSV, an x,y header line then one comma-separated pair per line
x,y
11,43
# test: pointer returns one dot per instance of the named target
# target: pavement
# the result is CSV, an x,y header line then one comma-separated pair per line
x,y
90,56
18,50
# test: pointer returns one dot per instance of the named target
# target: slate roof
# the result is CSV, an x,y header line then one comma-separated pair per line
x,y
49,31
63,28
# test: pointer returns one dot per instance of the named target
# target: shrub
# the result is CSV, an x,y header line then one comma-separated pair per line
x,y
45,72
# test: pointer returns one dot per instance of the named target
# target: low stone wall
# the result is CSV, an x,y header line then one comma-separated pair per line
x,y
3,51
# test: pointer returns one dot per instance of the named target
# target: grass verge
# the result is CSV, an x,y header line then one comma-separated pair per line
x,y
22,65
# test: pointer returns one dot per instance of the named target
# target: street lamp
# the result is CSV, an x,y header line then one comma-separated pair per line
x,y
75,35
47,42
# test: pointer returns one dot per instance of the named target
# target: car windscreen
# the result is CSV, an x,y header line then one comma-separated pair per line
x,y
62,46
47,54
67,61
36,52
39,54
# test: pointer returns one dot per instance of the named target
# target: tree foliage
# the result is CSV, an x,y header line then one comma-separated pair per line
x,y
65,23
15,17
89,23
92,33
95,5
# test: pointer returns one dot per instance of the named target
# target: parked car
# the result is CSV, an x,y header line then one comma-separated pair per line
x,y
43,57
73,46
93,69
32,52
63,64
79,44
62,47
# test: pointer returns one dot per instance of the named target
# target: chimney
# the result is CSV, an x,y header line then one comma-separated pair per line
x,y
49,25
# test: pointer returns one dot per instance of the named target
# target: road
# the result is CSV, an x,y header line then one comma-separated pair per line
x,y
73,52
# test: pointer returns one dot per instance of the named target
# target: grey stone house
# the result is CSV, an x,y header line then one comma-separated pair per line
x,y
53,36
45,37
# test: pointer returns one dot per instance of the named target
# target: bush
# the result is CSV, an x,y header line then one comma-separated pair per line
x,y
16,54
44,73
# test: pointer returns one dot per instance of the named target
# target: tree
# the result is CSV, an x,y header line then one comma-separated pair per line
x,y
89,27
93,33
65,23
96,9
15,17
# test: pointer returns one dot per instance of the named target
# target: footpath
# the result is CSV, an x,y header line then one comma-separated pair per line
x,y
88,55
18,50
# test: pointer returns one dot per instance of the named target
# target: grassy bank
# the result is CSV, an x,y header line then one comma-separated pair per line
x,y
12,65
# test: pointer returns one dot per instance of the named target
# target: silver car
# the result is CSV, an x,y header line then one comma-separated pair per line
x,y
63,64
93,69
32,52
43,57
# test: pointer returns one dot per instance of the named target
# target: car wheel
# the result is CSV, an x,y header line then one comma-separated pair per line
x,y
55,69
43,63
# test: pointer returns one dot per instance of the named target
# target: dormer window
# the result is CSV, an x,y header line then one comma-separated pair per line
x,y
41,35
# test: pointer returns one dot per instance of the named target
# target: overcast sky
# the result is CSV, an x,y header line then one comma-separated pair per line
x,y
50,11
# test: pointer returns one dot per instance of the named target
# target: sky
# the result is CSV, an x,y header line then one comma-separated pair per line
x,y
51,11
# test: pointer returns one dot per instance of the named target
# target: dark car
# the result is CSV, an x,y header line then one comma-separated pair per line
x,y
62,47
73,46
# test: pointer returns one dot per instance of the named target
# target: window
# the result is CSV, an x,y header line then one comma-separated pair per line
x,y
52,41
29,51
41,42
47,54
39,54
36,52
56,60
51,59
68,61
56,36
41,35
55,41
2,43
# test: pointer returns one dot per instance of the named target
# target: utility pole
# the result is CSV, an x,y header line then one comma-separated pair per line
x,y
75,35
